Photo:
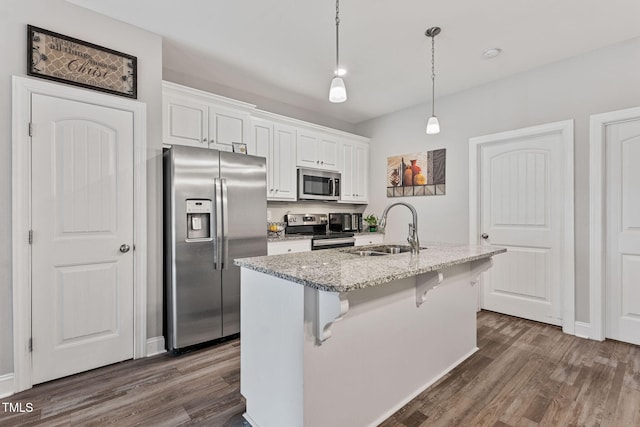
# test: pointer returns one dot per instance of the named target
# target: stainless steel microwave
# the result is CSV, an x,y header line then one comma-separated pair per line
x,y
318,185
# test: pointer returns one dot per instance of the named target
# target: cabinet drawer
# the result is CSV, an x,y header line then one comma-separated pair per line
x,y
288,247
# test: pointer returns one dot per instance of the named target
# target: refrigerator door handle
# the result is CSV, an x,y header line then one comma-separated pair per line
x,y
225,225
217,242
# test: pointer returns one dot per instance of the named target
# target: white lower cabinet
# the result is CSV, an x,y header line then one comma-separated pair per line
x,y
369,239
288,247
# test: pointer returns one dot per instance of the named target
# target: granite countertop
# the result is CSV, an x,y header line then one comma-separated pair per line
x,y
336,270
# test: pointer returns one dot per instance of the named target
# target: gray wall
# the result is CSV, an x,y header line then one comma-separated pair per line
x,y
65,18
603,80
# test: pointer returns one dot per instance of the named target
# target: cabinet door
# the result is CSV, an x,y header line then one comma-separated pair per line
x,y
361,173
307,143
227,127
284,163
262,142
328,151
347,188
184,121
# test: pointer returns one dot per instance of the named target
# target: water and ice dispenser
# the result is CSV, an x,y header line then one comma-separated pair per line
x,y
199,212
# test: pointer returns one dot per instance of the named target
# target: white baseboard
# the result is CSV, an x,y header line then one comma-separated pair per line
x,y
155,346
6,385
583,330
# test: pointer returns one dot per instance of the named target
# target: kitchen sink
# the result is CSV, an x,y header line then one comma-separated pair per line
x,y
380,250
367,253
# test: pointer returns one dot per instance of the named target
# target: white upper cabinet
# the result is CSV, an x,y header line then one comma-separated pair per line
x,y
284,163
354,170
199,119
317,150
185,121
276,143
227,127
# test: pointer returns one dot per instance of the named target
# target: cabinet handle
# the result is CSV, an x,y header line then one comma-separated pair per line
x,y
484,236
322,162
317,162
289,250
204,140
276,190
271,190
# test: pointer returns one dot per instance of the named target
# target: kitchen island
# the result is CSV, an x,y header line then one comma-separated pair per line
x,y
333,338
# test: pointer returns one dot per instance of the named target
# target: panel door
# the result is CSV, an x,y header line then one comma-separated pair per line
x,y
361,173
184,121
307,151
227,127
623,231
82,275
284,163
262,135
521,209
347,173
328,151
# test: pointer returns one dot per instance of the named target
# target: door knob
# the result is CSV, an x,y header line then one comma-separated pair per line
x,y
484,235
124,248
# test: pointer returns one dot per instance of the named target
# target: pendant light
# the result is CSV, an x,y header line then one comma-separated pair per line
x,y
433,126
337,91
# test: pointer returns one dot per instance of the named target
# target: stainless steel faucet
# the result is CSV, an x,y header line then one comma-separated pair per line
x,y
413,239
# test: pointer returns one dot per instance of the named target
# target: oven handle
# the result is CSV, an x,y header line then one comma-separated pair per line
x,y
329,242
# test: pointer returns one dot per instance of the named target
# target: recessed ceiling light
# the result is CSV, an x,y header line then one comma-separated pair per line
x,y
340,72
491,52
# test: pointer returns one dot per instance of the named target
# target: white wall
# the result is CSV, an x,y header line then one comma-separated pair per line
x,y
603,80
62,17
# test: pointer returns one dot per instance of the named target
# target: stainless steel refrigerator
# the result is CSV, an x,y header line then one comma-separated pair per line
x,y
214,211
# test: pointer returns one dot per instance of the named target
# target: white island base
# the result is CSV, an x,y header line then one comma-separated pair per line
x,y
393,341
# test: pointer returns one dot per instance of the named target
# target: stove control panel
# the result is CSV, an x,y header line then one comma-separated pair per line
x,y
306,219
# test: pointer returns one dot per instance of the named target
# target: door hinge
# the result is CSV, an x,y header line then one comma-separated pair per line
x,y
30,237
31,344
30,129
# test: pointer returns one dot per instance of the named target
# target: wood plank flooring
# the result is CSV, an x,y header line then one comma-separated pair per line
x,y
525,374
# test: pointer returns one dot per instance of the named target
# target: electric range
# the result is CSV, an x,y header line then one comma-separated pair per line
x,y
315,225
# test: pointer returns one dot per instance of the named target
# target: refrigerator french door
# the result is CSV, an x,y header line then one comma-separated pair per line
x,y
215,211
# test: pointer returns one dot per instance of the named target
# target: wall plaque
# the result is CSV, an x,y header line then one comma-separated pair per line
x,y
64,59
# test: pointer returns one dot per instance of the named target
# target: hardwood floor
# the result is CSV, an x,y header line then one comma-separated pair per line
x,y
525,374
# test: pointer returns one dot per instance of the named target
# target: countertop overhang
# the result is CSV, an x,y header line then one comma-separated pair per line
x,y
335,270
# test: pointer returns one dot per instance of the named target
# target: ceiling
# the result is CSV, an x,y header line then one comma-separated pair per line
x,y
285,49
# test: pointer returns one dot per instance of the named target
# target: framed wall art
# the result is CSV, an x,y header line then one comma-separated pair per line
x,y
67,60
417,174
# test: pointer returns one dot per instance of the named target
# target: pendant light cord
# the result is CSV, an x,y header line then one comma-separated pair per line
x,y
337,36
433,76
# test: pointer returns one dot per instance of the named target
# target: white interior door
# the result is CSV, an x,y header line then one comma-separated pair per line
x,y
521,193
623,231
82,214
